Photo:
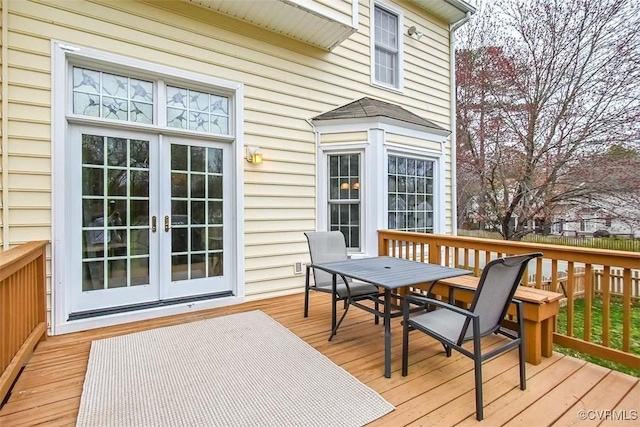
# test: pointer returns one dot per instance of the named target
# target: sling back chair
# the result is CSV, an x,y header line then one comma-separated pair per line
x,y
452,325
329,246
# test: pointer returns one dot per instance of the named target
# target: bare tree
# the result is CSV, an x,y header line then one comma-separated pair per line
x,y
544,88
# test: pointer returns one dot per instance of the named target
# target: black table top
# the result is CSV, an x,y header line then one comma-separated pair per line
x,y
389,272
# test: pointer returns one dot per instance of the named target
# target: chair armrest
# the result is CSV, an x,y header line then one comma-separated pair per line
x,y
438,303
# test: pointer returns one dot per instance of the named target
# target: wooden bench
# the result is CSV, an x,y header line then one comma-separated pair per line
x,y
539,309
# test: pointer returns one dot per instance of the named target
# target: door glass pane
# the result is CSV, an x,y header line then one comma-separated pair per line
x,y
111,96
344,197
139,271
196,212
115,225
199,111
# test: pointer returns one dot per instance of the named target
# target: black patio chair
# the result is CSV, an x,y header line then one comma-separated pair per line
x,y
329,246
452,325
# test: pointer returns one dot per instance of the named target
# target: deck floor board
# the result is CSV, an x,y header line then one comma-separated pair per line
x,y
437,391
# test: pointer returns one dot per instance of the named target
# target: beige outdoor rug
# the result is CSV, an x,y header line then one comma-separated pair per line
x,y
239,370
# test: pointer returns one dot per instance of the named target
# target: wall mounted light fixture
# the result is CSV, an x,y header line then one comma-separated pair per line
x,y
413,30
254,155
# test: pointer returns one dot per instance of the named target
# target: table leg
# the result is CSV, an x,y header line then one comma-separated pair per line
x,y
387,333
334,302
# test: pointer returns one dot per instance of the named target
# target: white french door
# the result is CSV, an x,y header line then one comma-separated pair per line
x,y
150,218
195,234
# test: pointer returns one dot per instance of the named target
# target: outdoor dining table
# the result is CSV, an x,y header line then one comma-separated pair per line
x,y
392,274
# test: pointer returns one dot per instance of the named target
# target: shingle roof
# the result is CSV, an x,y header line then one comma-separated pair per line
x,y
369,107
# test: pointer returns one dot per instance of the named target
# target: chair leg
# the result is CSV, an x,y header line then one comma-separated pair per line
x,y
306,293
447,349
477,367
523,375
335,329
376,320
478,371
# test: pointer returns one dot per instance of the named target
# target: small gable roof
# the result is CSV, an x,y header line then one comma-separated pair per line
x,y
368,107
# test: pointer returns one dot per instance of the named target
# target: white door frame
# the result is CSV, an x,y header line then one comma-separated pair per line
x,y
63,54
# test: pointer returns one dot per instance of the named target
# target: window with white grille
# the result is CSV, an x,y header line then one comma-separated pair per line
x,y
386,48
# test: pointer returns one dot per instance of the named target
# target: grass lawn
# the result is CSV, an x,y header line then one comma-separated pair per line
x,y
615,329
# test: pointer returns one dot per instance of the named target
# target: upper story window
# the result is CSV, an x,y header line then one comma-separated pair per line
x,y
344,197
387,49
117,97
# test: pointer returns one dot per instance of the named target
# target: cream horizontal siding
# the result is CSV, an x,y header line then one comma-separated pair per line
x,y
33,198
413,142
30,163
267,279
29,146
273,226
282,214
329,138
286,83
426,62
297,250
286,285
287,179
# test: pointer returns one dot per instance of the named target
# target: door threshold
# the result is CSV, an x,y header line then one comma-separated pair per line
x,y
136,307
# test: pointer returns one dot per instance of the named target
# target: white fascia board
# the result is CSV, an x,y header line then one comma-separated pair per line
x,y
419,134
414,150
343,146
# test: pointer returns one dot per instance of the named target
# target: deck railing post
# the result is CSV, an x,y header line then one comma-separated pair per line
x,y
23,292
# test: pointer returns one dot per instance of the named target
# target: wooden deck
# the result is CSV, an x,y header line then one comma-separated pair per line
x,y
438,390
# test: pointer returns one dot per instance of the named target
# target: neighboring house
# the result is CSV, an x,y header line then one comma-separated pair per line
x,y
611,215
613,209
126,128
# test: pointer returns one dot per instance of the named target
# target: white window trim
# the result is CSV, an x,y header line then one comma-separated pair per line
x,y
374,172
322,208
439,200
372,40
63,54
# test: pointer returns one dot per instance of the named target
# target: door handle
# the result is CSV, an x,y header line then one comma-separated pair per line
x,y
153,224
166,223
